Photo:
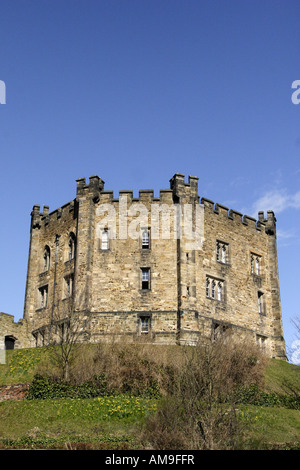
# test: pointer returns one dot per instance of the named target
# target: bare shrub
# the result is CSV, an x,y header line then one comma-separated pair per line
x,y
202,412
132,368
129,368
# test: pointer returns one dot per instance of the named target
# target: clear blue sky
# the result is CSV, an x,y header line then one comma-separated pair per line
x,y
136,90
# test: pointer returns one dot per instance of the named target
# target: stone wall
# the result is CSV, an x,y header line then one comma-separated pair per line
x,y
19,332
13,392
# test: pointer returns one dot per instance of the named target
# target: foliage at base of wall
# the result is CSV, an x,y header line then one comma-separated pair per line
x,y
43,387
254,396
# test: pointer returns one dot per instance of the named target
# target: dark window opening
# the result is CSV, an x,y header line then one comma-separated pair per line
x,y
9,342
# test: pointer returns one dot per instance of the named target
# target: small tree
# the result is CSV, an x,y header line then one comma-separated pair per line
x,y
63,337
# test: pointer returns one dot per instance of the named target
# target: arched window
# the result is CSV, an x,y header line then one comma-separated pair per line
x,y
260,302
222,252
71,246
9,342
46,258
256,264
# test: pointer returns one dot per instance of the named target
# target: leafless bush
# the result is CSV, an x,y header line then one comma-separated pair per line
x,y
202,413
134,368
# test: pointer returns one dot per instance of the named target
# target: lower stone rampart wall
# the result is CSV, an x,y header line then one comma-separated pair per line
x,y
19,333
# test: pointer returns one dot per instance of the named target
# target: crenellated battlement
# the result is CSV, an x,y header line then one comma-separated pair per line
x,y
179,192
44,217
145,196
234,215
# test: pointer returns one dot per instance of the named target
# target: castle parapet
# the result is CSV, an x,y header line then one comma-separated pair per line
x,y
94,188
232,214
181,189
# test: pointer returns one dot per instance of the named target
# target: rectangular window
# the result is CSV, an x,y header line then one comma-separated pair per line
x,y
68,287
145,278
145,324
105,240
145,239
261,341
43,296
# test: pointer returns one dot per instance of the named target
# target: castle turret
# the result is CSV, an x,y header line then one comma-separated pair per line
x,y
184,192
35,225
279,343
86,197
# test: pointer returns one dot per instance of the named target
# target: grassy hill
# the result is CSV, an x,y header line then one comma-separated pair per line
x,y
117,420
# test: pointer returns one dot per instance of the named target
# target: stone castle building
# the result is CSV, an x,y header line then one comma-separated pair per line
x,y
172,269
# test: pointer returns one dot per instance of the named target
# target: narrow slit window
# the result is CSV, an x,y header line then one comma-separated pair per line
x,y
218,251
223,254
257,265
68,286
220,291
43,296
207,287
105,240
252,264
213,289
46,258
260,301
72,247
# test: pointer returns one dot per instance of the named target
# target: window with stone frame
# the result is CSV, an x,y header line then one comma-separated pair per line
x,y
46,258
215,289
105,239
260,303
256,264
71,246
222,252
145,324
43,296
68,285
261,341
145,278
145,235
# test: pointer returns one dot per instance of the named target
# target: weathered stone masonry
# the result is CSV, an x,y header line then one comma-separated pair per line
x,y
159,288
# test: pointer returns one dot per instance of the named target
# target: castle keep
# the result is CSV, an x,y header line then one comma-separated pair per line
x,y
172,269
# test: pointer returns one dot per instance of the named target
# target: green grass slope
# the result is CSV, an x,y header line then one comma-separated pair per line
x,y
117,422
